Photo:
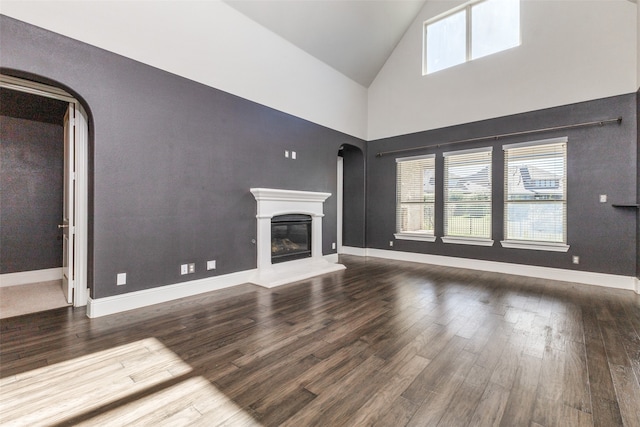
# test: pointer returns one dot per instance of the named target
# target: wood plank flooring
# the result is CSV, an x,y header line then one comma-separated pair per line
x,y
383,343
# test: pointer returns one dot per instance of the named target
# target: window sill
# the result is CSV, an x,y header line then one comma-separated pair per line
x,y
468,241
536,246
421,237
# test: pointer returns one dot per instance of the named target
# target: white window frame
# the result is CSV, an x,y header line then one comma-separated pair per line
x,y
407,235
467,240
536,244
467,7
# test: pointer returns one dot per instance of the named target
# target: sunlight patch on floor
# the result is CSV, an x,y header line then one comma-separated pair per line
x,y
142,382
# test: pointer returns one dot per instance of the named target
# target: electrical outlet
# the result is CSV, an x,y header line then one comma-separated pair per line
x,y
211,265
333,245
121,279
603,198
390,242
575,259
192,268
184,269
286,154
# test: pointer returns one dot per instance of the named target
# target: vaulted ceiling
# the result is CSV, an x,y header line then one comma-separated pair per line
x,y
355,37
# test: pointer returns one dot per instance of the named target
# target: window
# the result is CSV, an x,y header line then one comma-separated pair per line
x,y
446,42
467,197
415,203
535,195
475,30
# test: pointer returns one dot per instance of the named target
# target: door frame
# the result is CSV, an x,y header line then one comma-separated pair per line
x,y
81,184
340,203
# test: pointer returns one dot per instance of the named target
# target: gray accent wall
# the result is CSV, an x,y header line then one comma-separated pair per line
x,y
31,182
600,160
172,161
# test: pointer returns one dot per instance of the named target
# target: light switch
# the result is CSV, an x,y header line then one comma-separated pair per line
x,y
293,155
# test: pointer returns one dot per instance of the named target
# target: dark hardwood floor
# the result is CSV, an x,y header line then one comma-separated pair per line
x,y
382,343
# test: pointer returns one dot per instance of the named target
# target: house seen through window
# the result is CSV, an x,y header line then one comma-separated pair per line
x,y
535,191
467,194
535,196
415,205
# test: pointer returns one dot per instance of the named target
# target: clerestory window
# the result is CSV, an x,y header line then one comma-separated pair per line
x,y
471,31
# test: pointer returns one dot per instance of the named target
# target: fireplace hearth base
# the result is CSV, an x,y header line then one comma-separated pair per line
x,y
293,271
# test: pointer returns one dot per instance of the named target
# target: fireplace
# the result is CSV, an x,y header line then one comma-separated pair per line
x,y
290,222
290,237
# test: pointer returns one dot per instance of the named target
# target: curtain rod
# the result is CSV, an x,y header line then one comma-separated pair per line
x,y
504,135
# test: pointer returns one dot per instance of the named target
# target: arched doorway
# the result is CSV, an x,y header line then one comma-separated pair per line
x,y
74,221
351,199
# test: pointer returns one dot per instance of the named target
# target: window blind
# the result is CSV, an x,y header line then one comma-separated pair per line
x,y
415,205
467,193
535,191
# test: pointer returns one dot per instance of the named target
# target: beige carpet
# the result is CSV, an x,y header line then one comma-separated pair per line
x,y
23,299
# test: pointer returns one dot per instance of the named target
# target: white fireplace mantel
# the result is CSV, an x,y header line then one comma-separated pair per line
x,y
274,202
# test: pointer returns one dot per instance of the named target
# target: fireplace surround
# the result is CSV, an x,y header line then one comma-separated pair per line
x,y
273,203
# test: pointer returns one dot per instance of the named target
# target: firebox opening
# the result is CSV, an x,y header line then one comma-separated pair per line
x,y
290,237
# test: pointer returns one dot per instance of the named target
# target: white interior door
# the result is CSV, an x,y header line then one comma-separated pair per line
x,y
68,235
76,172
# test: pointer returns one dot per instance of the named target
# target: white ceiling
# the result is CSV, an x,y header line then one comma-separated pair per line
x,y
353,36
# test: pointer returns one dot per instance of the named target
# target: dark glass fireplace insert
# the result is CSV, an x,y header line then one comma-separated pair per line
x,y
290,237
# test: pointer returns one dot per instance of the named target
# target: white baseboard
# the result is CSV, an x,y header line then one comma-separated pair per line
x,y
351,250
129,301
26,277
132,300
118,303
586,277
333,258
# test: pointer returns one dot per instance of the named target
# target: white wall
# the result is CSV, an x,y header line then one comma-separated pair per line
x,y
212,43
571,51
